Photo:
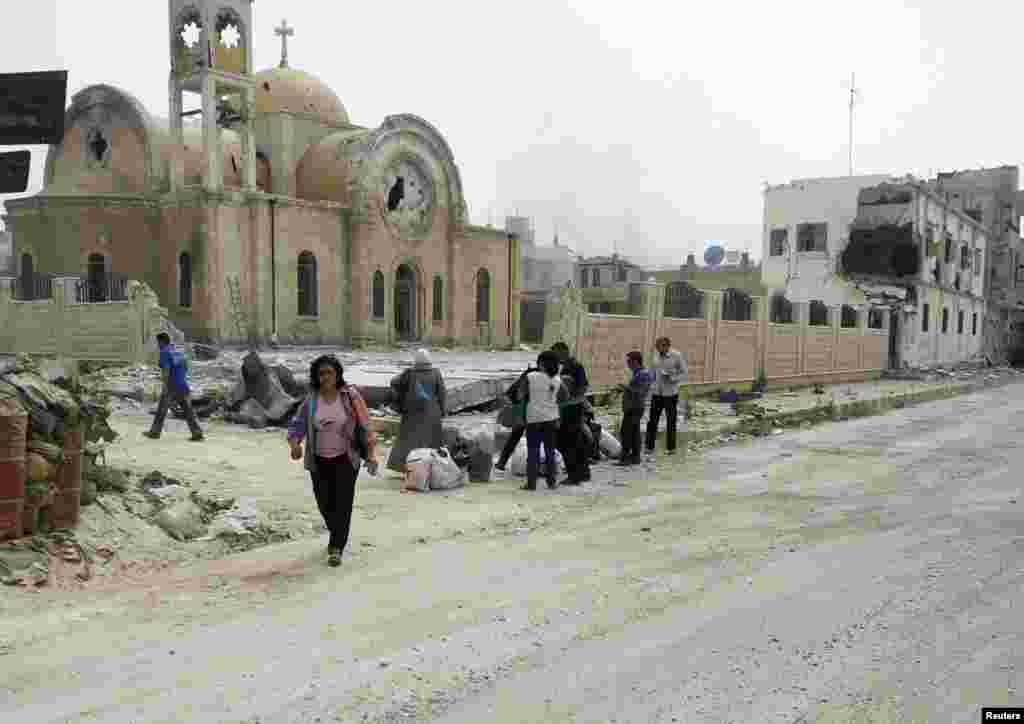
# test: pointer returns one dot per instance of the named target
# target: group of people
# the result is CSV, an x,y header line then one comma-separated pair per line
x,y
334,420
556,415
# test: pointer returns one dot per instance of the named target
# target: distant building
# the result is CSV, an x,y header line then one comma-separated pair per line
x,y
542,271
605,282
882,251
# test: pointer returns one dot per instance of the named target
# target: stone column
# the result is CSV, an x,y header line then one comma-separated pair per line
x,y
515,292
248,98
213,177
801,318
835,316
759,312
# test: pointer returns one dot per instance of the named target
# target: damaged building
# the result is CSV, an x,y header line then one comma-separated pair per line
x,y
992,196
273,217
892,249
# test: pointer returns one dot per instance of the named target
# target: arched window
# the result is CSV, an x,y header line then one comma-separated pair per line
x,y
682,301
377,295
737,305
818,313
26,284
781,310
483,296
438,299
307,285
97,284
849,319
184,280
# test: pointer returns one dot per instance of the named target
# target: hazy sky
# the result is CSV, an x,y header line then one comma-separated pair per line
x,y
645,126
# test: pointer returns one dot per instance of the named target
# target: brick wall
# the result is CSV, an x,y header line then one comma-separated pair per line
x,y
719,351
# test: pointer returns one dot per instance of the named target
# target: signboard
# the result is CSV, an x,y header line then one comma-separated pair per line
x,y
732,257
32,108
14,168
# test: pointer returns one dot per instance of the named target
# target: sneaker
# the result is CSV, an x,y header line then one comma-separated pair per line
x,y
197,437
334,557
152,435
552,484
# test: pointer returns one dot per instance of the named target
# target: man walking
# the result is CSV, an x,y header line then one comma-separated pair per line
x,y
634,399
571,438
671,372
174,372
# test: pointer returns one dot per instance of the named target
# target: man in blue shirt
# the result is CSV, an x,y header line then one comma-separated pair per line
x,y
634,400
174,371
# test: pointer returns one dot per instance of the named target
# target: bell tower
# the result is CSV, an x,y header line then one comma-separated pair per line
x,y
211,55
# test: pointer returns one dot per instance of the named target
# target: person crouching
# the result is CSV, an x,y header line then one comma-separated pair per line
x,y
327,419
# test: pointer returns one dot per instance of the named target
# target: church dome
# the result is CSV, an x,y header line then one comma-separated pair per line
x,y
280,90
324,172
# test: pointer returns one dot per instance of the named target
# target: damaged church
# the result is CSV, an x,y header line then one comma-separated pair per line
x,y
893,249
273,217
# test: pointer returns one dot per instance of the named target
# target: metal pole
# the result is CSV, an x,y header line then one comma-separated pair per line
x,y
852,91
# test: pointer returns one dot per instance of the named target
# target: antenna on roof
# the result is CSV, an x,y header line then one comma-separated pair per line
x,y
853,97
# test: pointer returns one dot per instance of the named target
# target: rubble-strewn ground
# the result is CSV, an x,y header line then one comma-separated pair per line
x,y
858,572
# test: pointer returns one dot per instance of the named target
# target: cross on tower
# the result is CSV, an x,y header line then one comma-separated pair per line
x,y
284,32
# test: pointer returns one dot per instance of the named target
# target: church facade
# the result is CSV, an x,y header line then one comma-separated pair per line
x,y
276,217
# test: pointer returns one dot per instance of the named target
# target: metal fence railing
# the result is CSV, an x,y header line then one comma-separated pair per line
x,y
33,287
109,288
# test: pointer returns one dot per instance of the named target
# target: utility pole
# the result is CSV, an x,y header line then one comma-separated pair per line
x,y
853,95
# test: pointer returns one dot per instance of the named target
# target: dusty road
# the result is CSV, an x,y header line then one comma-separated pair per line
x,y
865,571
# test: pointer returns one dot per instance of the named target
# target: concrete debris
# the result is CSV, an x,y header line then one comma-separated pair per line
x,y
182,520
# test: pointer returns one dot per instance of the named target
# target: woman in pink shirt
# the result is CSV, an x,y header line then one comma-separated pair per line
x,y
328,419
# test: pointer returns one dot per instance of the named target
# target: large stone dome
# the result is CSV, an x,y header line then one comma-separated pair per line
x,y
296,91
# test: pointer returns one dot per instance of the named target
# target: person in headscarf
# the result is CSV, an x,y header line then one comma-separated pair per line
x,y
419,394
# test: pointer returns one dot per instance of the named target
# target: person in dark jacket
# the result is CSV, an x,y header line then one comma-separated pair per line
x,y
515,394
572,440
420,394
634,399
327,421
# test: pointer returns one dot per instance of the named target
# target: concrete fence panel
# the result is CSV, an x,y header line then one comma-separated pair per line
x,y
818,350
690,336
737,352
783,358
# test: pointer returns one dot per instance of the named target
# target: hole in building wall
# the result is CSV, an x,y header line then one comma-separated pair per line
x,y
98,146
396,194
229,36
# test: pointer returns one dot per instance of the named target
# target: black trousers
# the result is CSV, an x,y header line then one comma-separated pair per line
x,y
168,396
573,444
510,446
630,434
334,485
670,404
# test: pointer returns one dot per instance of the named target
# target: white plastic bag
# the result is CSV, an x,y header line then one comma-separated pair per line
x,y
418,464
444,473
517,463
483,435
609,445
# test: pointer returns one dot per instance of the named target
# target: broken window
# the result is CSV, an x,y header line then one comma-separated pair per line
x,y
396,193
818,313
438,299
849,317
949,248
778,241
977,262
184,280
188,46
97,146
925,314
965,257
595,277
960,322
483,296
974,324
812,237
875,319
307,285
377,295
883,250
781,310
620,273
945,320
584,278
737,305
228,50
683,301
